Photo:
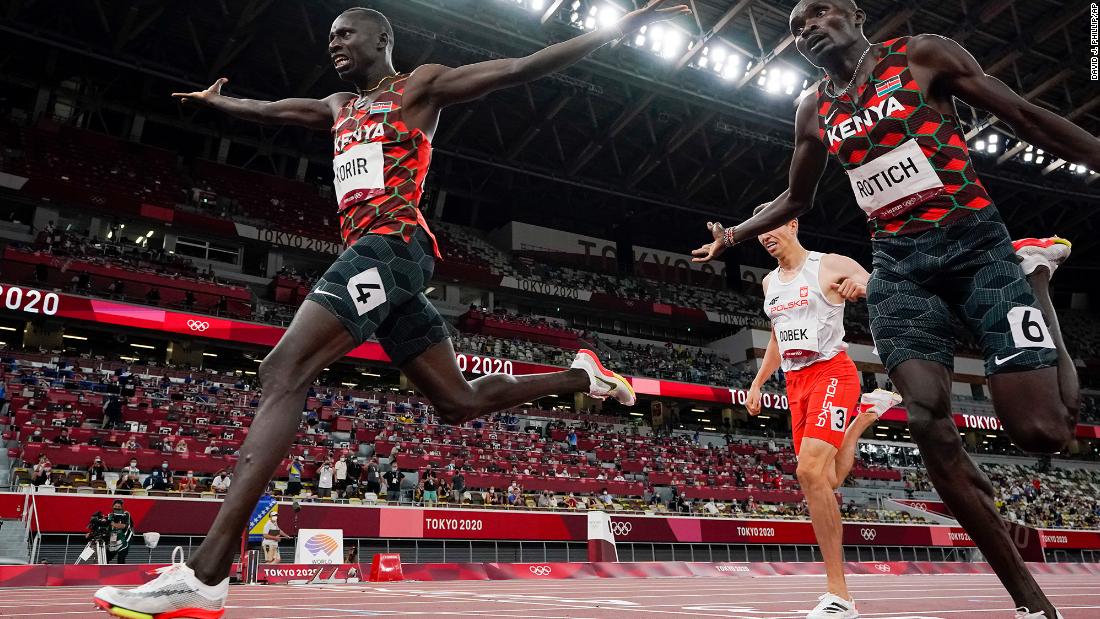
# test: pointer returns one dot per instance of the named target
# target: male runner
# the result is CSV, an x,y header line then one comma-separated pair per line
x,y
886,112
382,148
804,298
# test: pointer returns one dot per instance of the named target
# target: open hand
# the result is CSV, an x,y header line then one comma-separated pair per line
x,y
849,289
201,96
711,250
653,11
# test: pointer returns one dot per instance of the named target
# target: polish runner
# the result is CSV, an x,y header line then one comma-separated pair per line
x,y
804,298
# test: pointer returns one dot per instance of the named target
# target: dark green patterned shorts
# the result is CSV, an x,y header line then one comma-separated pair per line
x,y
968,269
376,288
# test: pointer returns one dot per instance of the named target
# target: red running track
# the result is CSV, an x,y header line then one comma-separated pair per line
x,y
781,597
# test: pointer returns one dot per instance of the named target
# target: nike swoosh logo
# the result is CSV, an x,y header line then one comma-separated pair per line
x,y
610,384
830,117
999,361
328,293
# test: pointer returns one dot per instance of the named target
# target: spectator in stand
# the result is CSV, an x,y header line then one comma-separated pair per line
x,y
181,446
341,475
710,507
153,296
117,290
355,470
189,483
544,499
97,470
489,497
65,438
40,473
515,494
571,501
430,487
188,300
372,477
36,436
458,487
126,484
112,412
325,476
222,307
605,497
160,479
221,482
294,475
393,479
571,438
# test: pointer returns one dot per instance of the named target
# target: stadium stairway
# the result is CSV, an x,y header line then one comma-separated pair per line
x,y
13,548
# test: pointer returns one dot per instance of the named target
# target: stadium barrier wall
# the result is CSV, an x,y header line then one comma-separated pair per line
x,y
129,575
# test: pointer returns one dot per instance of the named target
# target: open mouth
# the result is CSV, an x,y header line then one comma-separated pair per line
x,y
770,244
340,61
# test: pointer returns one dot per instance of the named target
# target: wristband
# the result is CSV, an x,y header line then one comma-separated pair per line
x,y
727,236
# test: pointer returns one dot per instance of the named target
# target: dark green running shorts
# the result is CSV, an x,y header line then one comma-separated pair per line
x,y
968,268
376,288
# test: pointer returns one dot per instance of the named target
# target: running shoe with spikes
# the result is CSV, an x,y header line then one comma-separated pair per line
x,y
1049,252
602,382
174,594
1023,613
879,401
832,606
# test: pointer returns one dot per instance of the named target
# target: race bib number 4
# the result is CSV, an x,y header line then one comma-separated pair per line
x,y
358,172
895,182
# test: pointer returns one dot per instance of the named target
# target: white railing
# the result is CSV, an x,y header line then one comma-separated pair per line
x,y
30,524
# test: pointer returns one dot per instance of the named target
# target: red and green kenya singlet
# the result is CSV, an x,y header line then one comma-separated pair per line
x,y
908,164
379,167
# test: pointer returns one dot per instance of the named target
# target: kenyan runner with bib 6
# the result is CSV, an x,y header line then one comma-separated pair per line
x,y
886,112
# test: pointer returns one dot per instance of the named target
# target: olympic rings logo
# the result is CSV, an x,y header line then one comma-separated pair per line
x,y
540,570
620,528
198,325
868,534
882,567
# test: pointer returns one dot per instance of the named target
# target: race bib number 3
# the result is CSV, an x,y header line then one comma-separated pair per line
x,y
358,172
895,182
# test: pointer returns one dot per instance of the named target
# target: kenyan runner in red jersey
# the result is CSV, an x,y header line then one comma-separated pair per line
x,y
382,148
887,112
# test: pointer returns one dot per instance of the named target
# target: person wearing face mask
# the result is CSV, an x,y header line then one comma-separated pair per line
x,y
122,531
40,474
161,478
272,535
189,483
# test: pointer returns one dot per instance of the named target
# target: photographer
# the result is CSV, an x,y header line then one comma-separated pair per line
x,y
122,530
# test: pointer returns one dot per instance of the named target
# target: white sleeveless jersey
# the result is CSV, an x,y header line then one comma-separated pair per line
x,y
808,327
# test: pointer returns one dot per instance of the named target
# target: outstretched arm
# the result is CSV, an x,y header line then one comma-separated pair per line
x,y
310,113
807,165
441,86
955,73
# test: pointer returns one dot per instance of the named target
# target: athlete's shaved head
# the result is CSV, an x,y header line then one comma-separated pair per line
x,y
375,18
849,5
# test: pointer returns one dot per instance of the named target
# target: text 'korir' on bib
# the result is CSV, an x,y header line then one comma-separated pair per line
x,y
895,182
797,339
358,173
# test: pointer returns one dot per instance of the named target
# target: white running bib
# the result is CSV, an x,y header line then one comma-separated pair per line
x,y
359,169
797,338
895,182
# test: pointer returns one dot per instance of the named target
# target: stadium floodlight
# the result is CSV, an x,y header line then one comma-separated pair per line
x,y
673,44
210,354
609,15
